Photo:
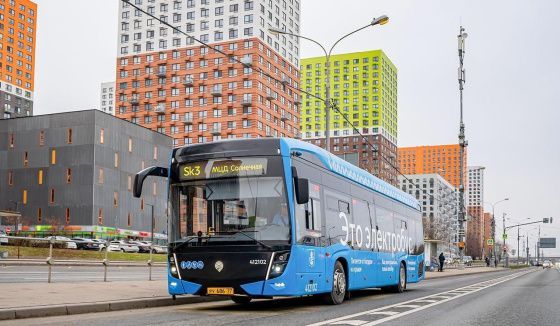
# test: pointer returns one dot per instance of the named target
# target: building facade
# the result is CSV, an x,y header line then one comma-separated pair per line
x,y
75,171
172,84
439,201
441,159
364,89
18,21
475,211
487,231
107,98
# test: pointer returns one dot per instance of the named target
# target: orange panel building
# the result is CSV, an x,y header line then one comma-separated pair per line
x,y
18,22
441,159
487,232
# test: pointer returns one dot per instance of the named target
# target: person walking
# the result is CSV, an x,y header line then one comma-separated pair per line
x,y
441,261
487,261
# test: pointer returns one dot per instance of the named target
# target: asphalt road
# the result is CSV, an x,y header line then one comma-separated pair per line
x,y
25,274
531,297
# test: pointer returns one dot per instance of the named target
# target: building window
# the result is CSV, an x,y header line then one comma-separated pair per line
x,y
11,140
53,156
51,196
25,158
39,215
100,216
24,197
102,136
101,178
154,188
68,175
40,177
130,145
115,199
155,153
67,214
11,178
69,136
116,160
129,220
142,203
129,184
41,138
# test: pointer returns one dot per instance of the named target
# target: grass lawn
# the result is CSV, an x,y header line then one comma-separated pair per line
x,y
66,254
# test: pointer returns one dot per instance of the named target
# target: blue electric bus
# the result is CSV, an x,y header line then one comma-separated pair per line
x,y
269,217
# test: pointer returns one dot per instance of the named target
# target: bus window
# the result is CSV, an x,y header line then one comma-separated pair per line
x,y
308,222
337,221
363,238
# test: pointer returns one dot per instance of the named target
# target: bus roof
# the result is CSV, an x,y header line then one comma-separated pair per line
x,y
349,171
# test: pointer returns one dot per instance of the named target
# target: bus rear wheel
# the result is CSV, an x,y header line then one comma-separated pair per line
x,y
241,299
336,296
401,285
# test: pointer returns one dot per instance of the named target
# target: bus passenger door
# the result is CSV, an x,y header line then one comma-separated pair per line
x,y
310,271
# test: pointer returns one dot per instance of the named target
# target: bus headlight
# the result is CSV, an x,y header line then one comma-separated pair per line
x,y
173,268
279,264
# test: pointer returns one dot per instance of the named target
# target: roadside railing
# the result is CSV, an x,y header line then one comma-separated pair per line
x,y
51,262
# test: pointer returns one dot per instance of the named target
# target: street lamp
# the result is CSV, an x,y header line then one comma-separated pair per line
x,y
151,243
493,252
381,20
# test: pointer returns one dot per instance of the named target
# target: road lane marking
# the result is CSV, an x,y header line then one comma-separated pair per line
x,y
408,306
351,322
427,299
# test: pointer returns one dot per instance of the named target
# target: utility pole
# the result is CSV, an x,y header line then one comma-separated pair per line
x,y
527,249
518,245
462,145
539,246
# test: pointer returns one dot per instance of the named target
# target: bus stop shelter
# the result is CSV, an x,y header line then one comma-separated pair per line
x,y
9,214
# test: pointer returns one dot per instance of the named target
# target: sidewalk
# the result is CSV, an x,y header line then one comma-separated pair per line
x,y
466,271
27,300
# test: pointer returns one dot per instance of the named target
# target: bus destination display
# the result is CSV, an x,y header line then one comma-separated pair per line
x,y
242,167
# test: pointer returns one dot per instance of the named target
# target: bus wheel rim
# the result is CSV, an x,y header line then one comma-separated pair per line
x,y
340,282
402,277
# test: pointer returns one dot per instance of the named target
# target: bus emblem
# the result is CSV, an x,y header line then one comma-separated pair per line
x,y
219,265
311,258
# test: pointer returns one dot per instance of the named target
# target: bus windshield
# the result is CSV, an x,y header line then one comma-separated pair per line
x,y
230,211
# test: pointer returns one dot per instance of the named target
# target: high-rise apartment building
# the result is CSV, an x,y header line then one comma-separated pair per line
x,y
441,159
439,201
475,211
172,84
107,98
18,22
364,89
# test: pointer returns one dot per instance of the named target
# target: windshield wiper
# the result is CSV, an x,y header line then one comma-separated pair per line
x,y
257,241
193,238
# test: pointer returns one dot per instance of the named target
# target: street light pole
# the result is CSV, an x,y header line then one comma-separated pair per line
x,y
462,144
381,20
493,251
151,242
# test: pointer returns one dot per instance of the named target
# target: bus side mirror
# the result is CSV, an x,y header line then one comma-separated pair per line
x,y
142,175
302,190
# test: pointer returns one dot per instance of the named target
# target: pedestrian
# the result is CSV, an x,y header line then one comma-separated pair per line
x,y
441,261
487,261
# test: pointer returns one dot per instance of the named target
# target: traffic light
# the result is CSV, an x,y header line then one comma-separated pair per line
x,y
547,220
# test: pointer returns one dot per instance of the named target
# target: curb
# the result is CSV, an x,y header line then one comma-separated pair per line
x,y
466,274
82,308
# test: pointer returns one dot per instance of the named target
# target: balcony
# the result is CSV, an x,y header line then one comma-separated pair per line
x,y
284,118
162,73
160,109
188,81
270,96
297,102
216,92
246,102
247,62
134,101
188,120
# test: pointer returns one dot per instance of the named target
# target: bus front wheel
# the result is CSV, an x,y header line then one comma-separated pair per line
x,y
241,299
336,296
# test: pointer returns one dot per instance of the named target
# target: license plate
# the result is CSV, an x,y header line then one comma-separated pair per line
x,y
219,291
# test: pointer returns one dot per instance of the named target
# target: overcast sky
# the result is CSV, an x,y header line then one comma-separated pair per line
x,y
511,94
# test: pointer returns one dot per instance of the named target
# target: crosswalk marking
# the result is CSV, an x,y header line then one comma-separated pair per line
x,y
350,322
387,313
408,306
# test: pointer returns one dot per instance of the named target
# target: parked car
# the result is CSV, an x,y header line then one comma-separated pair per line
x,y
85,244
69,243
159,249
101,243
3,239
547,264
467,260
143,246
123,246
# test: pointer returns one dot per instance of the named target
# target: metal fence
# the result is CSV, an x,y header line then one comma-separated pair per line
x,y
51,262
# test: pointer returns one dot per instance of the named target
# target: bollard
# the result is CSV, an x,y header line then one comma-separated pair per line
x,y
105,264
50,260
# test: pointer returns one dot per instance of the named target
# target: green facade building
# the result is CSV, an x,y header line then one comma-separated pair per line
x,y
363,86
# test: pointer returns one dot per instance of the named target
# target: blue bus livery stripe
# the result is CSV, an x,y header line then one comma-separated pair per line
x,y
349,171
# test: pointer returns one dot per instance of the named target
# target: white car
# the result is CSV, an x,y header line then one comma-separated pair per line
x,y
69,243
122,246
102,243
547,264
3,239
